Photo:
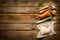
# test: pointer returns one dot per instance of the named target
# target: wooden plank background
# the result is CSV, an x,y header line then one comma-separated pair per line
x,y
14,14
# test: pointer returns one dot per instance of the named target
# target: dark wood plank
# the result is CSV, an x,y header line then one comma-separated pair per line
x,y
53,37
18,3
18,35
57,26
17,27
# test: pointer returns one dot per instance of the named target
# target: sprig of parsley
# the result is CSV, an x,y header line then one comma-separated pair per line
x,y
40,4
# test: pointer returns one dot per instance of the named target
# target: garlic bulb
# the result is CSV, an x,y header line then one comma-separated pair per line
x,y
53,6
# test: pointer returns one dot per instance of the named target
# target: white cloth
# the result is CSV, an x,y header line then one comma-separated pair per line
x,y
46,29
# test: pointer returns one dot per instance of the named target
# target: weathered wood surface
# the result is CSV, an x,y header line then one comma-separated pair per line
x,y
54,37
25,35
18,17
29,6
19,9
15,31
18,35
18,2
16,27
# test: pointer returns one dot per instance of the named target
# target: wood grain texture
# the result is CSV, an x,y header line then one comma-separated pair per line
x,y
16,27
18,35
20,9
53,37
57,26
19,17
13,11
18,2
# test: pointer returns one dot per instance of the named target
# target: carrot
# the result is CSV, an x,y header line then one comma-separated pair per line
x,y
45,14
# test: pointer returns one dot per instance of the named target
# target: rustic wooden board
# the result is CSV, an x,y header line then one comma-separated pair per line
x,y
53,37
19,17
19,6
18,35
11,31
25,35
18,2
57,26
19,9
16,27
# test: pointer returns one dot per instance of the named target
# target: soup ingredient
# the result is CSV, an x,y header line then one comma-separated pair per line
x,y
53,7
40,4
44,7
53,12
46,19
45,14
46,29
43,11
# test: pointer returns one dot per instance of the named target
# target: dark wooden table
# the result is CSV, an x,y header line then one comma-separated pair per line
x,y
18,20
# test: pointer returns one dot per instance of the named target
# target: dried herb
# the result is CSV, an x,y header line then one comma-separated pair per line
x,y
40,4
